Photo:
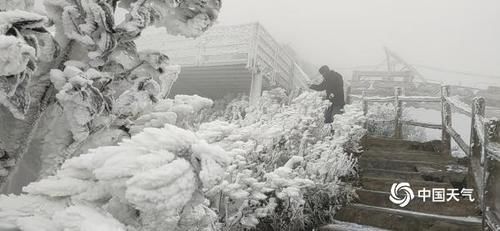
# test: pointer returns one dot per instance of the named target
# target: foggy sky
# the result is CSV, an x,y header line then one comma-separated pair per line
x,y
459,35
462,35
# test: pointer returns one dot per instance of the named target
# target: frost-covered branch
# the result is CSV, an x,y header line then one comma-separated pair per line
x,y
86,42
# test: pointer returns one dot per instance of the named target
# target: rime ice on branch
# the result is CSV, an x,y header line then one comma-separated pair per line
x,y
228,175
88,78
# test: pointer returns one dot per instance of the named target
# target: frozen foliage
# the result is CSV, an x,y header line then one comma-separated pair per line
x,y
13,61
227,175
287,170
181,110
381,122
81,100
157,175
18,54
15,55
16,5
188,17
86,76
139,97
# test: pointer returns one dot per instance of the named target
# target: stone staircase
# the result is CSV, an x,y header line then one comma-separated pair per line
x,y
389,161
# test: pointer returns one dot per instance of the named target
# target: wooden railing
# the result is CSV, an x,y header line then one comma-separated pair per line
x,y
483,148
249,44
398,99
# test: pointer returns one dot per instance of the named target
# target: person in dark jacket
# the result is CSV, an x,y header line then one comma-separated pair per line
x,y
333,84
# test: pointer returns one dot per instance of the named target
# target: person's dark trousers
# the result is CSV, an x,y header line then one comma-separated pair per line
x,y
331,111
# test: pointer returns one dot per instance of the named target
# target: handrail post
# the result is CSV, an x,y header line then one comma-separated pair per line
x,y
365,107
446,119
398,132
478,109
488,197
473,135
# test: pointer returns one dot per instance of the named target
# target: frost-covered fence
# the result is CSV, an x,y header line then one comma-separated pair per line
x,y
398,99
483,149
485,162
249,49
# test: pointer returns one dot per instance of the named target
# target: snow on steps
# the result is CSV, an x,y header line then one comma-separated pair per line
x,y
387,161
384,184
399,219
452,208
345,226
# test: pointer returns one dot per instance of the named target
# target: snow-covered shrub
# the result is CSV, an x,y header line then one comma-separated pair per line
x,y
275,168
152,181
287,172
381,117
181,111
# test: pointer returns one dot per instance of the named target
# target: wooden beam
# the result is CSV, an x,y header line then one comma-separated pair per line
x,y
420,99
424,125
399,113
458,139
380,99
459,106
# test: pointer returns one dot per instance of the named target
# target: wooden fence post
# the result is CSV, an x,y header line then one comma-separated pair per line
x,y
489,187
398,125
446,119
478,109
365,107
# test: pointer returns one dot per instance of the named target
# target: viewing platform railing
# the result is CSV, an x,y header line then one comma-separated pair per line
x,y
249,44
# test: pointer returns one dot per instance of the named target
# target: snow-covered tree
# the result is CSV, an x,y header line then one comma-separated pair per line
x,y
62,90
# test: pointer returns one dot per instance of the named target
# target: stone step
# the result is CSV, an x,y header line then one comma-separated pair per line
x,y
409,155
397,219
422,174
384,184
400,165
346,226
391,174
396,144
402,151
452,208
